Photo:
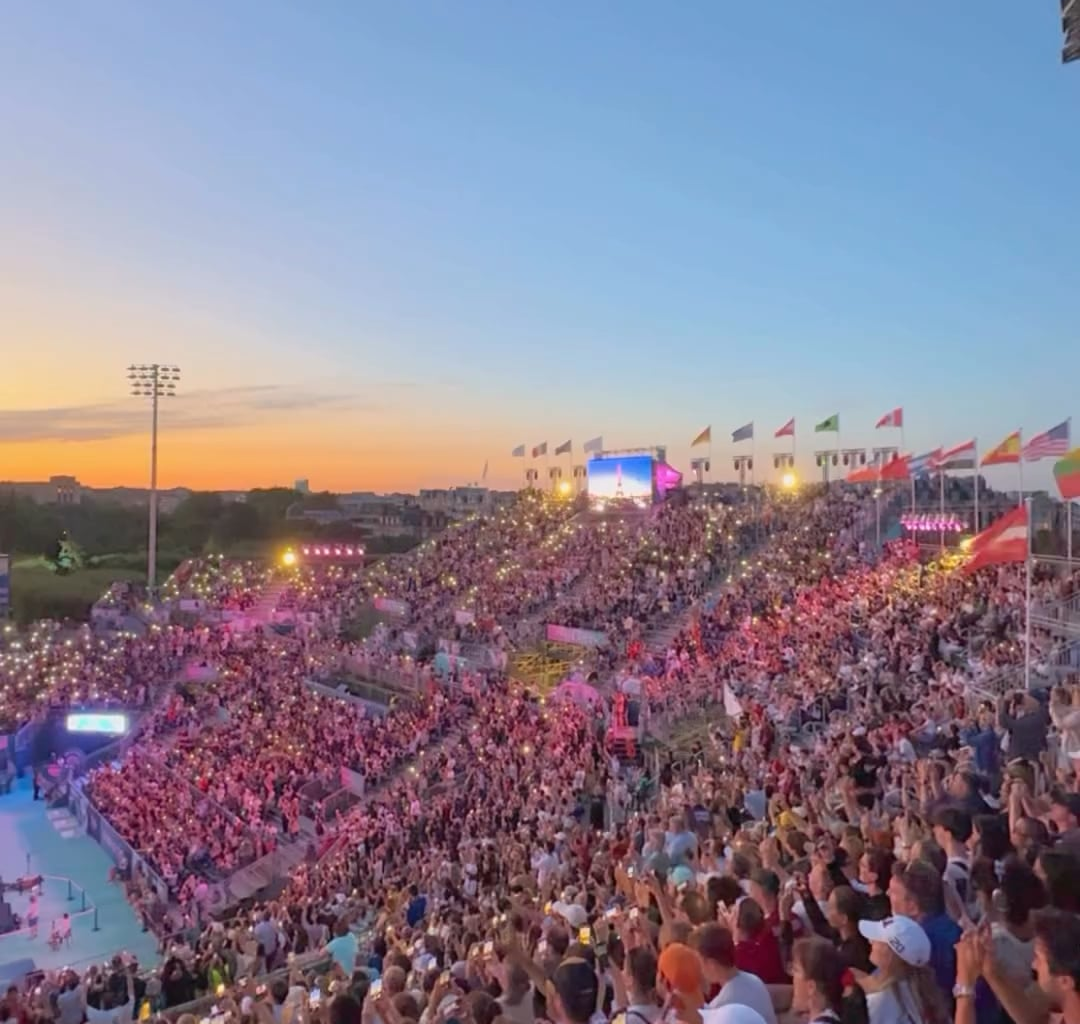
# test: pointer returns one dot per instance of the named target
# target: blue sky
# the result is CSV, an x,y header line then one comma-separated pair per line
x,y
497,223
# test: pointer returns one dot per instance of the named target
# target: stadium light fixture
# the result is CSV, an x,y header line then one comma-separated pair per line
x,y
154,381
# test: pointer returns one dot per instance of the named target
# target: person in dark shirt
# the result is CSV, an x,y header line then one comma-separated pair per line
x,y
417,908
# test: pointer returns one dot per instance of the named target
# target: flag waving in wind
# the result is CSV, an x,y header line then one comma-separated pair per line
x,y
705,437
743,433
1001,542
891,419
593,445
1067,475
1006,452
829,426
563,449
518,452
540,449
959,456
787,430
1054,441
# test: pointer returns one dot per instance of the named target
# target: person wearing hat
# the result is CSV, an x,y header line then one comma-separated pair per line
x,y
574,914
681,976
573,993
903,987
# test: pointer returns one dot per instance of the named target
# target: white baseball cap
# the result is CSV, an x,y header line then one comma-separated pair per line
x,y
731,1013
902,935
573,913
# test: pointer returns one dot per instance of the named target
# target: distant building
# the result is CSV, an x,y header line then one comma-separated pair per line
x,y
302,486
457,502
57,490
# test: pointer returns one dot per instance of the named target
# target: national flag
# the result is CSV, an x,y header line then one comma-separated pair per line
x,y
1003,541
896,469
705,437
483,476
732,705
830,425
1067,475
518,452
563,449
1006,452
921,465
787,430
593,445
891,419
1054,442
540,449
959,456
862,475
743,433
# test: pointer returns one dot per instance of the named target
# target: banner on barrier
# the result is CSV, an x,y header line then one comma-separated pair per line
x,y
576,637
463,617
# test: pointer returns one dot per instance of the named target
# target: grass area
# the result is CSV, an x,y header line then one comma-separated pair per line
x,y
37,592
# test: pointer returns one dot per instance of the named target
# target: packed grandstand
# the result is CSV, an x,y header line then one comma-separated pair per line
x,y
785,772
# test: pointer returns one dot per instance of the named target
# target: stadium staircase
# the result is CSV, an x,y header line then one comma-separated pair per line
x,y
264,608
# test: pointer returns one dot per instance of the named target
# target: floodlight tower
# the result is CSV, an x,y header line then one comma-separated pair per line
x,y
153,381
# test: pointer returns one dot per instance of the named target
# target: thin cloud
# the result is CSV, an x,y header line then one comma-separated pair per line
x,y
206,409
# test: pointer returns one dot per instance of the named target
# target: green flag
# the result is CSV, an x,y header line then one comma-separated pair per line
x,y
832,424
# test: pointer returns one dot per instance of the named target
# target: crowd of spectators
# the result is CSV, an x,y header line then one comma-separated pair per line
x,y
873,833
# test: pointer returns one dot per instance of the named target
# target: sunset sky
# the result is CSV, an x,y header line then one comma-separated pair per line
x,y
388,242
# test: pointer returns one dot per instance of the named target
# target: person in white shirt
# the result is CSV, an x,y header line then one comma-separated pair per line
x,y
903,989
716,945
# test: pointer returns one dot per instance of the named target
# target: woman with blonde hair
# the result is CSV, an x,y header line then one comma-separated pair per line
x,y
903,989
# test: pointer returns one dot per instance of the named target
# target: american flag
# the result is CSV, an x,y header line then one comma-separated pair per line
x,y
1054,442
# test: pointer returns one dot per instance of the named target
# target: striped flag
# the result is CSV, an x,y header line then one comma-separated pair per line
x,y
959,456
743,433
593,445
705,437
891,419
1067,475
1006,452
518,452
540,449
1054,441
563,449
787,430
921,465
1001,542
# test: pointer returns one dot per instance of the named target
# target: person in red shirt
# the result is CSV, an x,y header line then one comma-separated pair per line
x,y
757,949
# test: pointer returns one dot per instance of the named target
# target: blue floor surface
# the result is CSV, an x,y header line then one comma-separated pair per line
x,y
26,829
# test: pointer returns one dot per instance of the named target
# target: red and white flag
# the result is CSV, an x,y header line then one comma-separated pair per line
x,y
787,430
891,419
1001,542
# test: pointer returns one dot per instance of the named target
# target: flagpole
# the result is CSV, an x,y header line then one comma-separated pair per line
x,y
1020,469
1068,532
1027,602
941,503
976,485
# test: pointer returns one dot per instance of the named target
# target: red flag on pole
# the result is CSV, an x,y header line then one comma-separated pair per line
x,y
787,430
894,418
1001,542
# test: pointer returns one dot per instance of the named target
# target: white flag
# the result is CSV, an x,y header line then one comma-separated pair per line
x,y
595,444
732,707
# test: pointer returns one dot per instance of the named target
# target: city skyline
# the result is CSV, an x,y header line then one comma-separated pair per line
x,y
387,245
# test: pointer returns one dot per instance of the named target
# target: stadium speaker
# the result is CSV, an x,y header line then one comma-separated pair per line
x,y
776,462
846,458
817,459
835,459
706,465
750,464
862,458
735,463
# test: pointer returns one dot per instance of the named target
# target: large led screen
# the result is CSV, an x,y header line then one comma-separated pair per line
x,y
97,722
621,478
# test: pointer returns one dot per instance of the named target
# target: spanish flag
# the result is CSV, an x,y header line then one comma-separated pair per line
x,y
1006,452
705,437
